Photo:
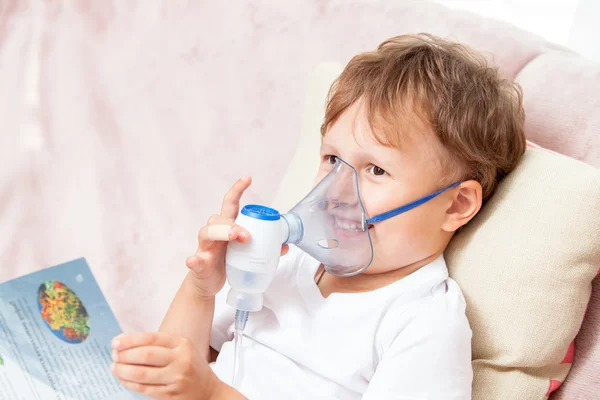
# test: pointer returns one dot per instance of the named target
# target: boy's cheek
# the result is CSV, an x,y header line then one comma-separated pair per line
x,y
400,239
381,198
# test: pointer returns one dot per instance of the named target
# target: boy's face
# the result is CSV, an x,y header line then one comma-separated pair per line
x,y
389,178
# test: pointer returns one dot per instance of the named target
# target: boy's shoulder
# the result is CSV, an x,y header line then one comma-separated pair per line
x,y
436,308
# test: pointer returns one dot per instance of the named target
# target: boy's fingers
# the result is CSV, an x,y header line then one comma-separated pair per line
x,y
193,262
218,219
231,201
221,233
151,356
140,374
151,391
131,340
218,232
284,249
216,229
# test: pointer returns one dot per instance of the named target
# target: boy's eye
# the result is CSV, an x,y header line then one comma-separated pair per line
x,y
331,159
377,171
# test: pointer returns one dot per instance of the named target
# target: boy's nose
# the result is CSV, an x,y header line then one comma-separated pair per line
x,y
343,190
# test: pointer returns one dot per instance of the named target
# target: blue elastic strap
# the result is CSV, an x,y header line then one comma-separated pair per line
x,y
409,206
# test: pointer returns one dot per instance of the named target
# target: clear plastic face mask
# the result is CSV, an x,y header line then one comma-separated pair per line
x,y
335,226
334,220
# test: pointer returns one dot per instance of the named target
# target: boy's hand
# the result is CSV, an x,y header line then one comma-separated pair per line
x,y
208,263
163,367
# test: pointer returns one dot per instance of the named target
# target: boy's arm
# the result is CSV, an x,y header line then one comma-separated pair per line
x,y
191,315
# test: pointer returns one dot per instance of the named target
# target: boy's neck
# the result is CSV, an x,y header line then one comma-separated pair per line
x,y
329,284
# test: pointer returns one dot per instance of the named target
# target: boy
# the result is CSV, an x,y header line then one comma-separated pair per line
x,y
412,117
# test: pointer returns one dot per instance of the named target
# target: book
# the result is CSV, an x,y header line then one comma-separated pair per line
x,y
55,333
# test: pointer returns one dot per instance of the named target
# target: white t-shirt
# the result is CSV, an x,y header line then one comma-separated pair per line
x,y
407,340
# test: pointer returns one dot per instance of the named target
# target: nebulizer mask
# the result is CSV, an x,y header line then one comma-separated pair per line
x,y
330,224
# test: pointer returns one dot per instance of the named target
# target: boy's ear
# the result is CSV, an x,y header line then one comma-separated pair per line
x,y
466,203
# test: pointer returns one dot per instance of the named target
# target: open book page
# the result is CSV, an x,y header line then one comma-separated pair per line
x,y
55,333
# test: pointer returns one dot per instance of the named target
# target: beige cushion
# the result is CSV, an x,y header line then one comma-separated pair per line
x,y
525,264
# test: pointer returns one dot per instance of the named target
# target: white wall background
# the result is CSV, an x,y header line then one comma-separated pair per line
x,y
572,23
